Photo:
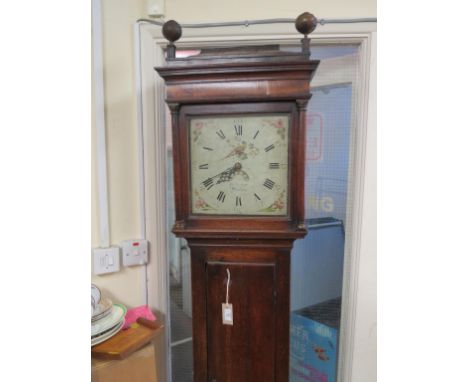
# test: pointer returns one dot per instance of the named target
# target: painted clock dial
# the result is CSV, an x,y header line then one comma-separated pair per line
x,y
239,164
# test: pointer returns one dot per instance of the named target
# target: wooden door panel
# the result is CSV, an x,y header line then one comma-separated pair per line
x,y
244,351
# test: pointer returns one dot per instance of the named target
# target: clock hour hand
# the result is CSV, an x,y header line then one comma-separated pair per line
x,y
222,172
225,176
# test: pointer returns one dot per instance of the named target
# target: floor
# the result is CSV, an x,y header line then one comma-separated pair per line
x,y
181,329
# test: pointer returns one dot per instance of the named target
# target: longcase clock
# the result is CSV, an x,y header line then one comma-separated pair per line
x,y
239,130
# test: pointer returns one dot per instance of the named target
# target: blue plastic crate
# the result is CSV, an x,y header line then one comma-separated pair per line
x,y
314,342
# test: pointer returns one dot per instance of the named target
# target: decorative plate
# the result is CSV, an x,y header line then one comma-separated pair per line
x,y
116,315
95,293
102,309
108,334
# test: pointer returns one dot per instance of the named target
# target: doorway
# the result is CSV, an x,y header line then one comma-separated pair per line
x,y
317,261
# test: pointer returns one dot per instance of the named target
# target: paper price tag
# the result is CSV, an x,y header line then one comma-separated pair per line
x,y
228,315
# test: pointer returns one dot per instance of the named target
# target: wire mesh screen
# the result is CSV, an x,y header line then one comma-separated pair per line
x,y
317,260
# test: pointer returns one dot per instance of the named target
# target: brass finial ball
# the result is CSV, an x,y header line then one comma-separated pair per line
x,y
171,30
306,23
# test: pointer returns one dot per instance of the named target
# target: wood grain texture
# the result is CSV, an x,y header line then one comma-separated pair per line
x,y
241,352
139,366
256,347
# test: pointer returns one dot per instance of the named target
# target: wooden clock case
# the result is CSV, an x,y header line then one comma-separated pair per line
x,y
256,249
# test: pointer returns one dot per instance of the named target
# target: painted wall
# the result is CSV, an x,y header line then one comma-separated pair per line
x,y
118,18
215,10
122,156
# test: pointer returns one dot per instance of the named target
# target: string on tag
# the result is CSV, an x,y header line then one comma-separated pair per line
x,y
227,286
228,315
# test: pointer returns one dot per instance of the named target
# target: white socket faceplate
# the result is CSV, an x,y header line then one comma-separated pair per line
x,y
134,252
106,260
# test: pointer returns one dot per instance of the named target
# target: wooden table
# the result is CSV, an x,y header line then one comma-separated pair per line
x,y
127,356
139,367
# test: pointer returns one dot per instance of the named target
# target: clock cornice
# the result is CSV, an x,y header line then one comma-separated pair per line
x,y
254,79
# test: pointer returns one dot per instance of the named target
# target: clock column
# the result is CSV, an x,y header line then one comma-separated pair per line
x,y
176,153
301,147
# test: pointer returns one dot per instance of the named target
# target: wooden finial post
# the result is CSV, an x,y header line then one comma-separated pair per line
x,y
305,24
172,31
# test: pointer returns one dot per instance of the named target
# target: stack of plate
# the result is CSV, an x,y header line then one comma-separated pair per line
x,y
106,318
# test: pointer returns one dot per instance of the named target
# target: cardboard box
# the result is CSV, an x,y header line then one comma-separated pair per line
x,y
138,367
314,342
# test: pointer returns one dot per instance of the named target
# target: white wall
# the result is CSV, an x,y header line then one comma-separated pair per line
x,y
365,330
215,10
121,134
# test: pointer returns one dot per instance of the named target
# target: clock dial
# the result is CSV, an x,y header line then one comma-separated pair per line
x,y
239,165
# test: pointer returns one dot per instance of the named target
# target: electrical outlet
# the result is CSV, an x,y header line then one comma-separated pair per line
x,y
106,260
134,252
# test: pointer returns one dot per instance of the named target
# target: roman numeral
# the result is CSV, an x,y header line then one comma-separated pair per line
x,y
208,148
238,201
221,134
257,197
221,196
271,147
255,136
269,183
203,166
238,129
208,183
274,166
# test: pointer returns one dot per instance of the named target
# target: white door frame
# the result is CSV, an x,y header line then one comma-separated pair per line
x,y
358,328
